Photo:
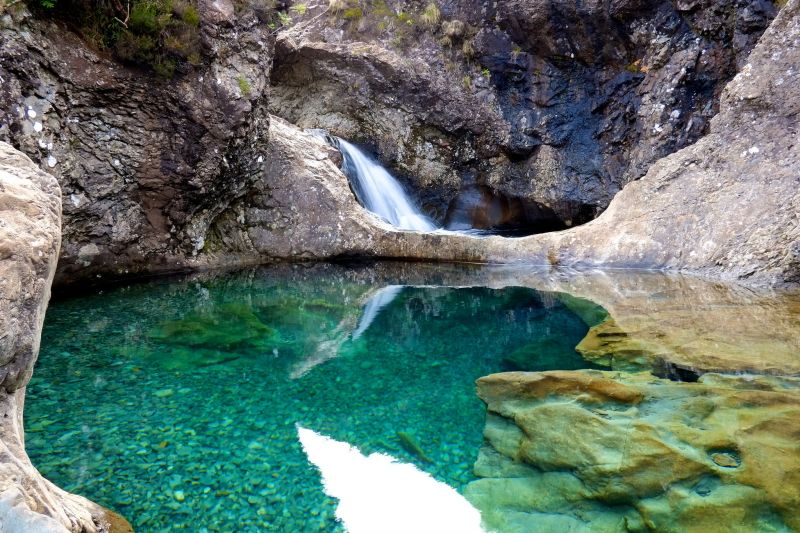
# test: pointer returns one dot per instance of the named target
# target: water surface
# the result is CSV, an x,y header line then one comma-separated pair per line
x,y
175,402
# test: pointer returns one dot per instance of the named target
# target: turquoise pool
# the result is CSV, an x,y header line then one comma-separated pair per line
x,y
175,401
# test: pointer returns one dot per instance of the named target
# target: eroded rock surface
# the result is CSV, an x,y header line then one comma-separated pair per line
x,y
145,164
682,326
730,204
30,216
725,207
604,451
551,104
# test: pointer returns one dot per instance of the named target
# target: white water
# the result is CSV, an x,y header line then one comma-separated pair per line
x,y
379,192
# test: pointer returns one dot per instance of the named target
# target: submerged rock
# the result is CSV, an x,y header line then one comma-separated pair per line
x,y
607,451
412,446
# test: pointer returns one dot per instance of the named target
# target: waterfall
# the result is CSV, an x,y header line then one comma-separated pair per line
x,y
379,192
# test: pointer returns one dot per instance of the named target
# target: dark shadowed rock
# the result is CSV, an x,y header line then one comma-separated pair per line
x,y
145,164
558,103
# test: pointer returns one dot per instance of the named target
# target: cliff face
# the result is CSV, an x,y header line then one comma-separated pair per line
x,y
144,164
551,105
30,217
729,205
183,174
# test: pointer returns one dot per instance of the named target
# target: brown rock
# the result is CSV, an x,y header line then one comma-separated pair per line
x,y
630,452
30,218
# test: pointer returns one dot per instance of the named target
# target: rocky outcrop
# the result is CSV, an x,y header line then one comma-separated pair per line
x,y
145,164
674,328
552,105
725,207
30,217
730,204
188,174
302,207
602,451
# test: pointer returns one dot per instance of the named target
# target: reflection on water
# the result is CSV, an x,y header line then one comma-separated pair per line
x,y
175,402
377,301
380,493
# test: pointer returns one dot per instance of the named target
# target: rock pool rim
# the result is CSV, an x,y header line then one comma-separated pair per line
x,y
79,287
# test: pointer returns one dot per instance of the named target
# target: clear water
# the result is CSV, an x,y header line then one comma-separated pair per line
x,y
175,401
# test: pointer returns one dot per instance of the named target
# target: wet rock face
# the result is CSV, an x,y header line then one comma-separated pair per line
x,y
630,452
553,102
707,208
482,208
145,165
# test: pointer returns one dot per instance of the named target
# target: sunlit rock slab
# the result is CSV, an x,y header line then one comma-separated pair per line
x,y
609,451
672,324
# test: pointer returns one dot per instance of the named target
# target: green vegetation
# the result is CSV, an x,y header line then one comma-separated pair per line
x,y
430,15
300,9
244,85
399,25
353,13
636,67
161,35
468,49
402,24
284,18
156,34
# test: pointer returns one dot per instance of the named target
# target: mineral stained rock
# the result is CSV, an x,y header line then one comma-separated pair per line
x,y
605,451
680,323
30,217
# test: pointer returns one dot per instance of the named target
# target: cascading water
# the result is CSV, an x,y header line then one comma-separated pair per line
x,y
476,210
379,192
